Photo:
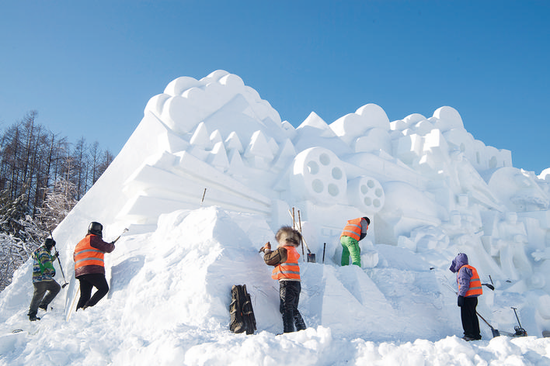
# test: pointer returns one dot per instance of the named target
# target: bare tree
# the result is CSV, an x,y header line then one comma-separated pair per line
x,y
60,200
42,177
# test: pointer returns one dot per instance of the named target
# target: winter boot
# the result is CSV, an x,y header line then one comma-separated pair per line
x,y
288,322
33,317
299,321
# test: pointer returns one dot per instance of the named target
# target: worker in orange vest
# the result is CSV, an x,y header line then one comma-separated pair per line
x,y
354,231
89,266
287,272
469,289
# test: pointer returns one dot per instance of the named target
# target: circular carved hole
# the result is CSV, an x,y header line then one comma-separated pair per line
x,y
317,186
337,173
324,159
313,167
333,190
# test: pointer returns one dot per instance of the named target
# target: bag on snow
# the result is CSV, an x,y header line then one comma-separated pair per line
x,y
240,310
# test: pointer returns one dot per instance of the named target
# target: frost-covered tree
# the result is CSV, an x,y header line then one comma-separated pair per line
x,y
59,201
19,235
12,211
42,175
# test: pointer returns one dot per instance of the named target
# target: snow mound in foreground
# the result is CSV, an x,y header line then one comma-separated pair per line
x,y
170,295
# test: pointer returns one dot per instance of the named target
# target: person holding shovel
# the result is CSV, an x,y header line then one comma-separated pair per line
x,y
43,273
354,231
287,272
89,267
469,289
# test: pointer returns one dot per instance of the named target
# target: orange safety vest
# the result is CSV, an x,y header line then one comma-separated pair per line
x,y
353,229
289,270
475,283
86,255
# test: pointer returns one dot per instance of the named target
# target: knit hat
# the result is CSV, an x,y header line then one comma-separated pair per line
x,y
49,243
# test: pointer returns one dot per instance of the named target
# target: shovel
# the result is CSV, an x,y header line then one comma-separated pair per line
x,y
496,333
310,255
520,332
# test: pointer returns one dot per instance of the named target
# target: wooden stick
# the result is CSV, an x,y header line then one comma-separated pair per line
x,y
300,230
203,194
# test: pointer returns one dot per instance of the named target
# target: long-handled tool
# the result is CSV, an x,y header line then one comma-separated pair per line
x,y
298,226
496,333
310,255
520,332
490,285
60,267
203,194
114,241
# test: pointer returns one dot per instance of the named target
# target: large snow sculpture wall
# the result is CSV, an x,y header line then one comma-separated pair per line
x,y
426,183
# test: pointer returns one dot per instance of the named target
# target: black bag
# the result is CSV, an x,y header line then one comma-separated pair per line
x,y
240,310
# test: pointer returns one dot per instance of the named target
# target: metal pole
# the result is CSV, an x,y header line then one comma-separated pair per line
x,y
60,267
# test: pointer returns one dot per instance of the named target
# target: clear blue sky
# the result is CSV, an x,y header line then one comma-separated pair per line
x,y
89,67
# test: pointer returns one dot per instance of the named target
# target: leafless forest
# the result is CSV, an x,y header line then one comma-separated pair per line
x,y
42,176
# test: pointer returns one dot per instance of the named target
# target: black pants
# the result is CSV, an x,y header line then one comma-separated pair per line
x,y
39,300
87,283
289,294
470,322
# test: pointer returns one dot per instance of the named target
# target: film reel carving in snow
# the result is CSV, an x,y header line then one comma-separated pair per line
x,y
319,176
366,194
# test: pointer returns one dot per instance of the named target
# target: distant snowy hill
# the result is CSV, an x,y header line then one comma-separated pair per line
x,y
210,174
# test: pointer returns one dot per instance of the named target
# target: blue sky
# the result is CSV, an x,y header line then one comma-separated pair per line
x,y
89,67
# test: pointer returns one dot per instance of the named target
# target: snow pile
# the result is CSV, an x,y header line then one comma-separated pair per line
x,y
212,172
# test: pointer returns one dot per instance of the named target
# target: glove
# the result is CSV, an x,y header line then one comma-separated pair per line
x,y
267,246
56,254
460,301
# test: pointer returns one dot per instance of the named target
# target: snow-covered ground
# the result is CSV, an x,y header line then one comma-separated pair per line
x,y
212,172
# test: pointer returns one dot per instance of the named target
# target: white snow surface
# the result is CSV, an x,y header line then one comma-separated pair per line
x,y
209,176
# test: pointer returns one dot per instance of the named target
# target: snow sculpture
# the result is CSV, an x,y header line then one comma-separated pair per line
x,y
366,193
511,247
448,118
545,174
518,190
318,176
428,186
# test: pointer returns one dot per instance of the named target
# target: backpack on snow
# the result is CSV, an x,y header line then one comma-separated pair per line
x,y
240,310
